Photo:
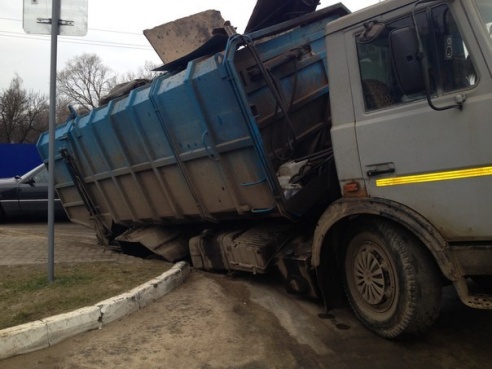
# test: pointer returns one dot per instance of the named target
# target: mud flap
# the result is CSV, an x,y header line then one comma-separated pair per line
x,y
294,264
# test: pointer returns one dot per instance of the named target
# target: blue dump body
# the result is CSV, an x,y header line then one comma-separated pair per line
x,y
206,143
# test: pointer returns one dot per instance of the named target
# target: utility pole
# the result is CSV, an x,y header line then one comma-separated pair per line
x,y
75,24
55,19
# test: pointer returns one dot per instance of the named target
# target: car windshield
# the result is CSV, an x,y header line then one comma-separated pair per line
x,y
41,168
485,9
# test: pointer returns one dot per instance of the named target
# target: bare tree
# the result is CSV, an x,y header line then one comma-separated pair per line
x,y
23,114
143,72
84,80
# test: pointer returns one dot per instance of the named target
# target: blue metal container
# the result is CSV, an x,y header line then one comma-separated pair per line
x,y
206,142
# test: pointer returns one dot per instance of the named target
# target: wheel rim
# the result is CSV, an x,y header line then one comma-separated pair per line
x,y
372,275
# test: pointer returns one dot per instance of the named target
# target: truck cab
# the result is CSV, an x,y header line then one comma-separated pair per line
x,y
411,104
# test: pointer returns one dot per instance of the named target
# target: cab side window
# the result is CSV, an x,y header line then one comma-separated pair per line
x,y
449,64
456,70
377,75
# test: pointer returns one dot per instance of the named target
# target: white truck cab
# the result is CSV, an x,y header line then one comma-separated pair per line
x,y
411,100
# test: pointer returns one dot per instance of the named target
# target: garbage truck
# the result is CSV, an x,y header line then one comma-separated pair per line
x,y
347,151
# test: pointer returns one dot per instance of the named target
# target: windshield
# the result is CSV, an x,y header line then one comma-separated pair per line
x,y
485,10
42,173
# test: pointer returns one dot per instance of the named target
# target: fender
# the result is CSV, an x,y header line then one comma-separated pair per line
x,y
406,217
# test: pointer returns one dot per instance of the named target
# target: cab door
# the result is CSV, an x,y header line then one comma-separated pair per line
x,y
438,163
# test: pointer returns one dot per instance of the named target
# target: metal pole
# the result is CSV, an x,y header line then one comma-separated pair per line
x,y
55,17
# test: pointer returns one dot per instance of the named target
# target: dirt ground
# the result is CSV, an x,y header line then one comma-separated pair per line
x,y
209,322
215,322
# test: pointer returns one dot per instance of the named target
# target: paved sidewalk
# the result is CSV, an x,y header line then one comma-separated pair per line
x,y
27,243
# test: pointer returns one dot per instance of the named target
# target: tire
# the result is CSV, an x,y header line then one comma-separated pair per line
x,y
390,280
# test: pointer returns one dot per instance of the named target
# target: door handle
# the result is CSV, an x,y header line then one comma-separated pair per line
x,y
381,168
376,172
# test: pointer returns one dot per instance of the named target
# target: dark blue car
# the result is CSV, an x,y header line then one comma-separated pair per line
x,y
27,195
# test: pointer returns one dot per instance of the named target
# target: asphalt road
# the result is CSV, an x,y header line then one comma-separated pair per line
x,y
215,321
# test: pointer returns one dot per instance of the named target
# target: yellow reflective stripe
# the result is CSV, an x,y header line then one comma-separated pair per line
x,y
438,176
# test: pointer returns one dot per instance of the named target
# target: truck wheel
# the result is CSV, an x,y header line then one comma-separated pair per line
x,y
391,282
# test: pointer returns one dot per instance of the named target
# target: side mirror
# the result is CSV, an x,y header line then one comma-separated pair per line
x,y
408,67
372,30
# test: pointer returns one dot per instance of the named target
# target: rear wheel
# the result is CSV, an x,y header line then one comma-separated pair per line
x,y
390,280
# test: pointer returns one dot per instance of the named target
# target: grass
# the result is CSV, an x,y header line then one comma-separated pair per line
x,y
26,295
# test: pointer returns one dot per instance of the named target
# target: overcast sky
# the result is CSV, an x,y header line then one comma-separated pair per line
x,y
114,33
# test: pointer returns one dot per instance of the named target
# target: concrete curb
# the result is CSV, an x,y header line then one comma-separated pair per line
x,y
47,332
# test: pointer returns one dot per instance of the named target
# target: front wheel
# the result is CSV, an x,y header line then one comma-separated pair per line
x,y
390,280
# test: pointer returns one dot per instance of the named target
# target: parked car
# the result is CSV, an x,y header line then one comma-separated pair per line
x,y
27,195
